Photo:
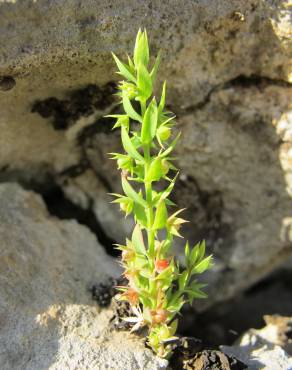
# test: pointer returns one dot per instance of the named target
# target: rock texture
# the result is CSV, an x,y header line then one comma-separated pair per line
x,y
265,348
228,66
48,319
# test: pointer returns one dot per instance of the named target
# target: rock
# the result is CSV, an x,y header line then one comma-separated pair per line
x,y
228,66
262,349
48,318
213,360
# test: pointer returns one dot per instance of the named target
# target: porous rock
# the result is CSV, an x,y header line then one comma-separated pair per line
x,y
48,318
268,348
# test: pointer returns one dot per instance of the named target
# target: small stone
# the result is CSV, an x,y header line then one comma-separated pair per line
x,y
213,360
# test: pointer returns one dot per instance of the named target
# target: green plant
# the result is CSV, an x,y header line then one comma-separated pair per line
x,y
157,286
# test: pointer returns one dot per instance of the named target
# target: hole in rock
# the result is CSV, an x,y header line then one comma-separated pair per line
x,y
58,205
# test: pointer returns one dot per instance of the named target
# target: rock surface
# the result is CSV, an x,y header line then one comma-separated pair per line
x,y
228,66
48,320
264,349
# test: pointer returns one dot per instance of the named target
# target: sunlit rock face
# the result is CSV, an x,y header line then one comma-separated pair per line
x,y
228,67
48,318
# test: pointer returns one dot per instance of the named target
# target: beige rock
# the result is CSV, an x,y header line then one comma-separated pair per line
x,y
48,319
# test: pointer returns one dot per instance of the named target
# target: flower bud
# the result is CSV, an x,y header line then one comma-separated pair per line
x,y
128,255
160,315
125,163
132,296
129,90
161,265
163,133
165,166
127,206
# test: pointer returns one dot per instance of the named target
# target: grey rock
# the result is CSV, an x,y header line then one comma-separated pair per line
x,y
228,66
48,319
263,349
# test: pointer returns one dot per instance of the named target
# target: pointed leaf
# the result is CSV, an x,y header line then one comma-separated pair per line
x,y
171,146
128,145
162,99
144,82
130,110
149,123
138,241
154,70
131,193
202,266
160,216
124,70
140,214
141,51
182,280
155,171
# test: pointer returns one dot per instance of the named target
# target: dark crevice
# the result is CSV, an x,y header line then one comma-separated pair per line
x,y
207,207
242,81
58,205
79,103
255,80
226,321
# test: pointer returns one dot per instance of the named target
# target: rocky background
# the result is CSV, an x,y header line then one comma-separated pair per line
x,y
228,64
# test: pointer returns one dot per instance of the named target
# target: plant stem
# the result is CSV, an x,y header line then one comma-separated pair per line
x,y
148,192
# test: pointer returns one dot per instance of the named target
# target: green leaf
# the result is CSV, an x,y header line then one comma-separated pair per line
x,y
195,293
160,216
131,193
173,328
154,70
138,241
187,251
140,261
130,110
146,273
128,145
166,273
144,82
140,214
202,250
162,99
131,65
194,254
149,123
182,280
168,190
197,253
155,171
171,146
176,305
202,266
141,51
124,70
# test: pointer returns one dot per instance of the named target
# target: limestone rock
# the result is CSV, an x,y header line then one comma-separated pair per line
x,y
48,319
263,349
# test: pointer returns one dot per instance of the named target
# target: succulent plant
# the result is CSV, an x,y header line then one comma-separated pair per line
x,y
158,286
